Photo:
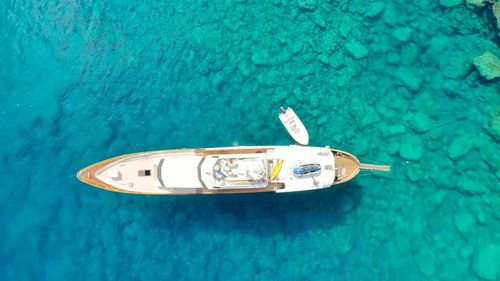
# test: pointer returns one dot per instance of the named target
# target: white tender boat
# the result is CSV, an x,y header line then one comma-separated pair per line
x,y
294,126
242,169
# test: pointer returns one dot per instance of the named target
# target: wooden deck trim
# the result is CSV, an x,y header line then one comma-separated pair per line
x,y
236,150
348,161
88,175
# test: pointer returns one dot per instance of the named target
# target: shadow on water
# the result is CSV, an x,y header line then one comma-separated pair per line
x,y
265,214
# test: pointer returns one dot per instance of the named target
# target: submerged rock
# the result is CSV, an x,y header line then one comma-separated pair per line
x,y
451,87
345,27
244,68
452,269
460,146
346,204
402,34
488,65
343,242
217,79
393,130
337,60
297,47
394,100
309,5
415,175
457,67
305,71
374,9
409,53
437,198
390,15
467,183
486,262
268,78
496,12
409,78
421,123
477,3
450,3
426,262
261,57
319,19
362,113
493,123
356,49
330,41
466,252
411,148
323,58
464,222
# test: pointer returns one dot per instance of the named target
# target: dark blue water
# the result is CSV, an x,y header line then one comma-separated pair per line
x,y
392,82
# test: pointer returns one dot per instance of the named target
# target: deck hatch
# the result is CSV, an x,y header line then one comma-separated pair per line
x,y
144,173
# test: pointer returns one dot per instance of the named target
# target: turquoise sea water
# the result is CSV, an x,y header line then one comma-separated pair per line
x,y
390,81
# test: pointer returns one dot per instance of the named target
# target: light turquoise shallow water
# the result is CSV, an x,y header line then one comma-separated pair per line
x,y
390,81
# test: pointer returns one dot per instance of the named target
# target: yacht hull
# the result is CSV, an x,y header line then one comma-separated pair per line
x,y
197,171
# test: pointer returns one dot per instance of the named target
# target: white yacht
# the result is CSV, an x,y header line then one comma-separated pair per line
x,y
241,169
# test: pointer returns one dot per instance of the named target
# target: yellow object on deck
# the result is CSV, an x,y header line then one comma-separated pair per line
x,y
276,169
